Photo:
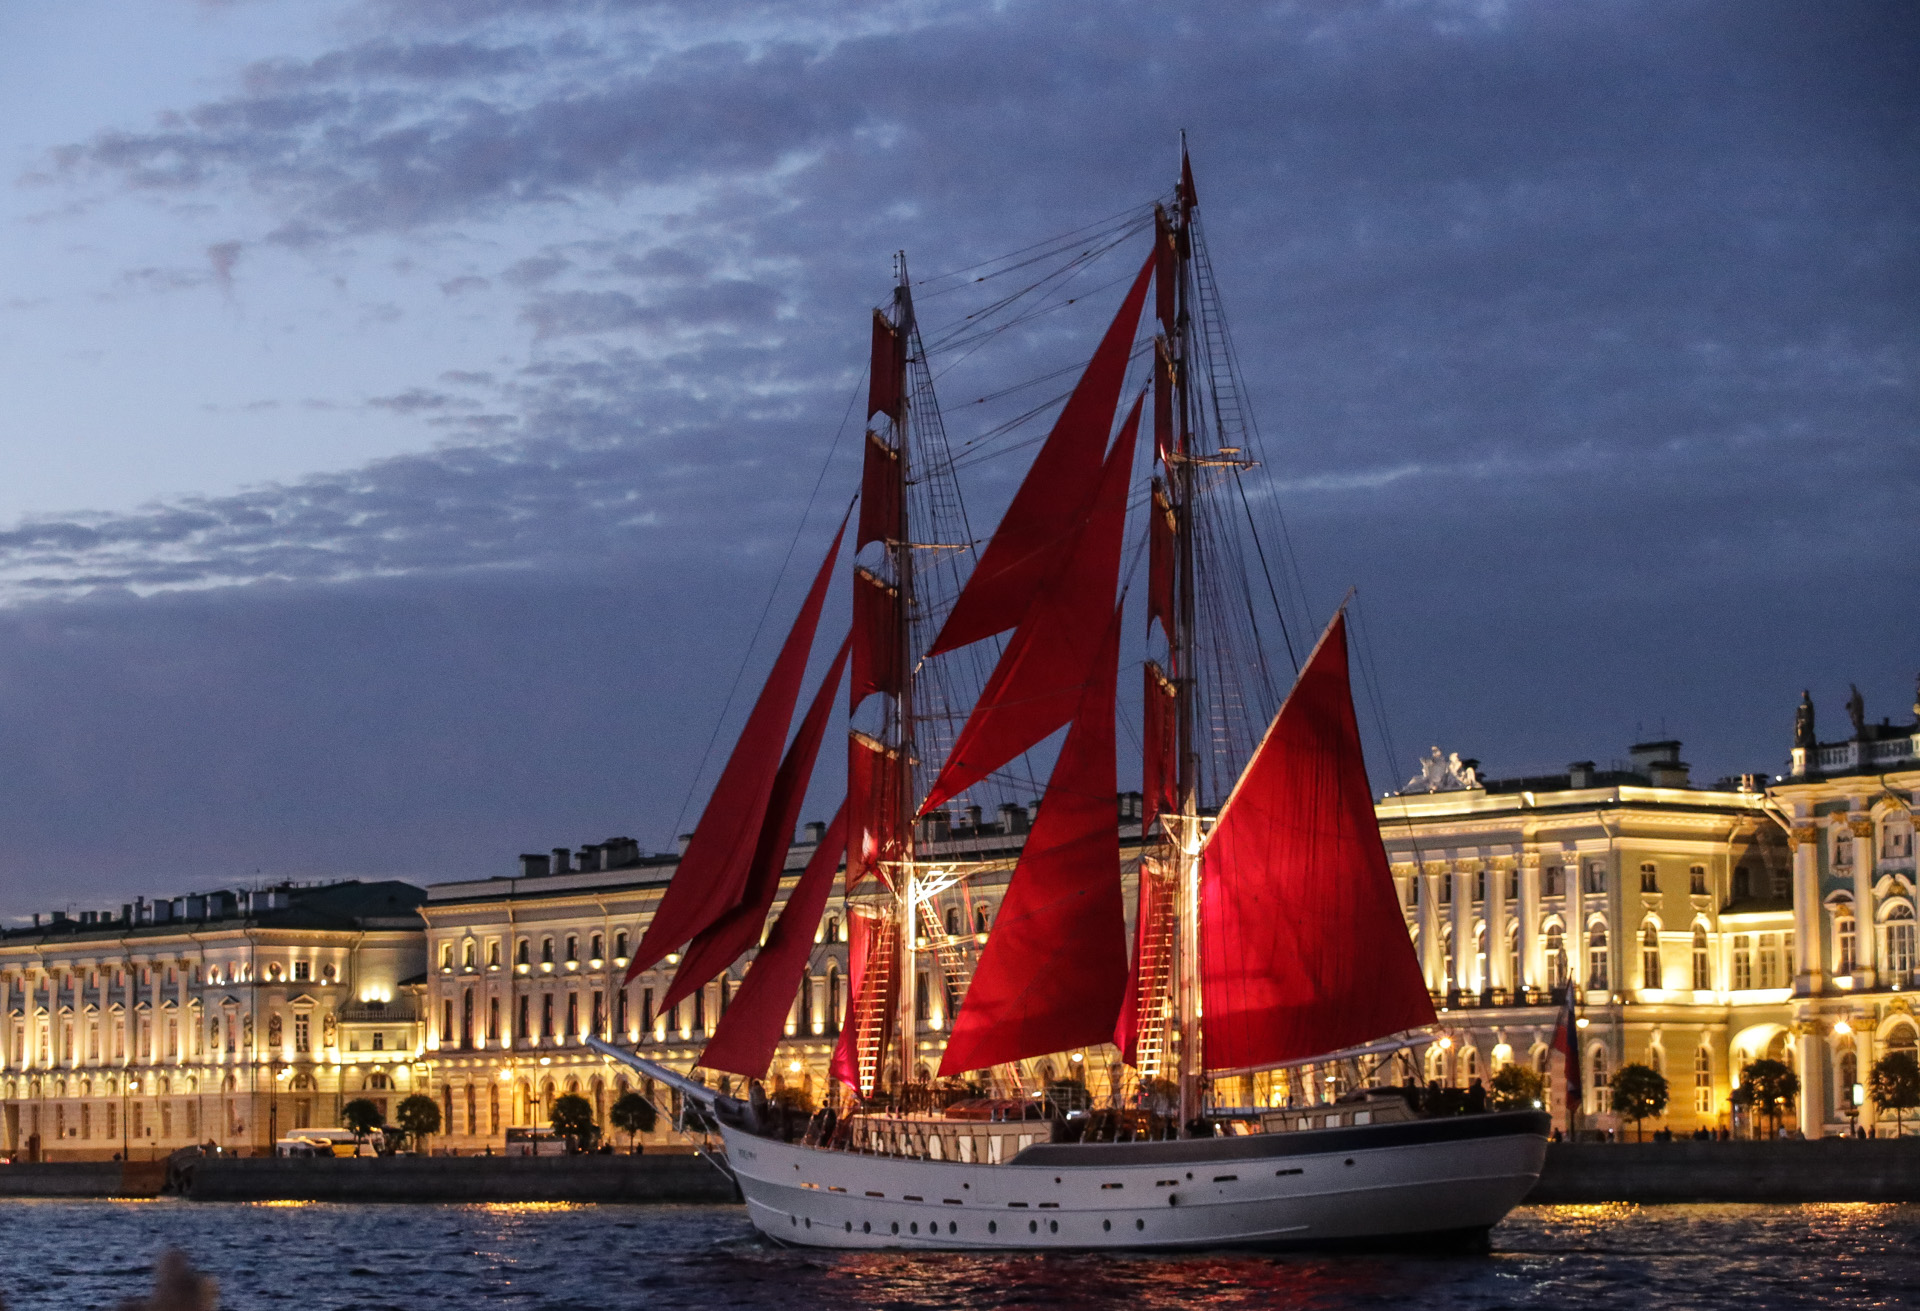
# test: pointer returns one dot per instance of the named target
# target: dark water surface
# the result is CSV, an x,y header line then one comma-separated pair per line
x,y
545,1256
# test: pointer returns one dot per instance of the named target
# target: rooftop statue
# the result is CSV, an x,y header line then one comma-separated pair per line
x,y
1446,773
1857,712
1803,722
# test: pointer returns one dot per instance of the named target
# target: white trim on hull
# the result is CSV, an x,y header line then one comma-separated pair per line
x,y
1392,1182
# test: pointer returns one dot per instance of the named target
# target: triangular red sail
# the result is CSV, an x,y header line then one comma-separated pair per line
x,y
880,495
873,809
744,1041
887,382
1054,497
869,1020
1160,708
1160,560
722,942
876,639
1037,684
1303,949
713,870
1054,970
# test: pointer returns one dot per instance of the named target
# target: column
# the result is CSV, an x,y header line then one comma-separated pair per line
x,y
1866,943
1497,970
1428,918
1814,1078
1573,877
1805,841
1462,917
1530,920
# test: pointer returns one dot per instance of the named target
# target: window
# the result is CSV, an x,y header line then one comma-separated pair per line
x,y
1550,881
1601,1081
1782,882
1556,956
1702,962
466,1019
620,945
646,1012
573,1014
573,948
1515,971
1513,886
1849,1076
446,957
833,928
1703,1081
520,1027
1597,957
546,951
1899,934
599,1011
1842,848
833,998
446,1022
953,921
595,953
1596,879
520,953
1446,889
922,999
1697,880
803,1007
1742,883
469,953
1446,958
620,1013
1649,877
700,1010
1413,891
1480,982
980,919
1845,941
1769,960
302,1033
1480,885
1650,957
546,1016
493,1019
493,953
1742,961
302,971
1896,840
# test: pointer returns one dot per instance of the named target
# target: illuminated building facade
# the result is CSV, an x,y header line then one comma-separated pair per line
x,y
223,1017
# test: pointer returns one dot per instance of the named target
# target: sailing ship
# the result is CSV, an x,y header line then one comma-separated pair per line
x,y
1267,933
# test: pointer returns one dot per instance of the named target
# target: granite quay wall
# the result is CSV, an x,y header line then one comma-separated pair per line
x,y
649,1178
83,1179
1818,1170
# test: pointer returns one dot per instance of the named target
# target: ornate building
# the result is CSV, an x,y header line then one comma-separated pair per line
x,y
1848,808
223,1017
1665,905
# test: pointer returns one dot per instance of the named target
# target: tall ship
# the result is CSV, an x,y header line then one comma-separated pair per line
x,y
1266,935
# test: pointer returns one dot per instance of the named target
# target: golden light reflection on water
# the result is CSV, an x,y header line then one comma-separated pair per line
x,y
527,1208
285,1203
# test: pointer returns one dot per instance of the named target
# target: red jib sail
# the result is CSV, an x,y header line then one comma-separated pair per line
x,y
717,946
1054,970
751,1028
1303,949
712,872
1037,683
1054,497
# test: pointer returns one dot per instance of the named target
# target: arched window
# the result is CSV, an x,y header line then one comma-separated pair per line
x,y
833,997
596,945
833,928
1702,960
446,956
1900,1038
546,951
980,919
953,921
1556,956
1597,956
520,953
1849,1076
1703,1081
1470,1062
1650,976
573,947
1845,938
1897,929
620,945
467,953
493,955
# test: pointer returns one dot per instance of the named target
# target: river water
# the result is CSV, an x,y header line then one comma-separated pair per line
x,y
570,1258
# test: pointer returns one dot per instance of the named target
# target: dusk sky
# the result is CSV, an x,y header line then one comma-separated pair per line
x,y
407,406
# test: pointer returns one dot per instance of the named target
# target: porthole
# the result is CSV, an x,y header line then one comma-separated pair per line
x,y
1053,1226
916,1226
866,1226
993,1226
896,1226
1106,1224
795,1220
849,1226
953,1227
1349,1160
1033,1226
809,1223
1139,1224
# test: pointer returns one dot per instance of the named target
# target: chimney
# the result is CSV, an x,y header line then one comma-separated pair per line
x,y
972,814
685,838
36,919
1669,774
1013,819
589,860
936,826
59,917
1580,774
816,832
533,867
1130,807
562,860
126,912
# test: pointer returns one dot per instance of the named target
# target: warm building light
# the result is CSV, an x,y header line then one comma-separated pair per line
x,y
1076,1058
673,958
506,1076
546,1060
1842,1027
1581,1023
1444,1042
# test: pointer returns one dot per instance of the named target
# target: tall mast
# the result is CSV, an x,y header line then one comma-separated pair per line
x,y
1187,778
904,805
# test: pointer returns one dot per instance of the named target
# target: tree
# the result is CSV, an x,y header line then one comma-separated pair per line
x,y
572,1117
1639,1092
1894,1085
1767,1087
632,1114
362,1116
1517,1088
418,1116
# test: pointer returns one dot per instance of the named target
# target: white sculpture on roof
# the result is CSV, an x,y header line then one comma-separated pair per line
x,y
1443,773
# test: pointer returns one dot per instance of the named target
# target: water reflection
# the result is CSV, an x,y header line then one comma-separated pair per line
x,y
541,1255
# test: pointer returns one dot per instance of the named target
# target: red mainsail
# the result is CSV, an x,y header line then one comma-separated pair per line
x,y
1303,949
1037,683
713,871
744,1041
721,943
1054,497
1054,970
874,781
887,380
882,499
1160,736
876,638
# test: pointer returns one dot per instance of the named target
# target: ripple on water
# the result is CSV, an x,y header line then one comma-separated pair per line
x,y
562,1257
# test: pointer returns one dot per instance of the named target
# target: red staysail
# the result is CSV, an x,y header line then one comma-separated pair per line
x,y
874,779
876,638
881,501
713,872
750,1030
1160,706
862,1048
722,942
1038,682
1054,970
1055,496
1303,949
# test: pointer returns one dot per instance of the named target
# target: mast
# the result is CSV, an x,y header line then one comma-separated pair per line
x,y
1187,832
903,799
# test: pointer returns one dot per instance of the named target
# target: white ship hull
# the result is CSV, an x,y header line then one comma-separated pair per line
x,y
1425,1179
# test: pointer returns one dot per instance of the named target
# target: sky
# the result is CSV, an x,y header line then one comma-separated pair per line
x,y
417,416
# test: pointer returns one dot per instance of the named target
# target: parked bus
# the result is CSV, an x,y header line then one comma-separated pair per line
x,y
338,1142
535,1142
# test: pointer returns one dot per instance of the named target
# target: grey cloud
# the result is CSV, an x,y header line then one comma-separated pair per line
x,y
463,284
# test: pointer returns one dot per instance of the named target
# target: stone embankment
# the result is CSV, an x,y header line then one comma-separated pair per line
x,y
83,1179
1820,1170
650,1178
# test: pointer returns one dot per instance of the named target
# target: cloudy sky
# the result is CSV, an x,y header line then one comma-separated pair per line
x,y
408,406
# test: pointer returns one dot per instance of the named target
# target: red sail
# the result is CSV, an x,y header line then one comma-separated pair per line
x,y
1148,982
876,639
750,1029
1303,949
722,942
880,495
1164,300
1054,970
713,871
887,381
862,1048
1159,771
1160,561
1037,684
1163,398
1055,496
873,806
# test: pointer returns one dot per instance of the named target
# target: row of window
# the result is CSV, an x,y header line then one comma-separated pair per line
x,y
1763,960
297,971
1593,882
